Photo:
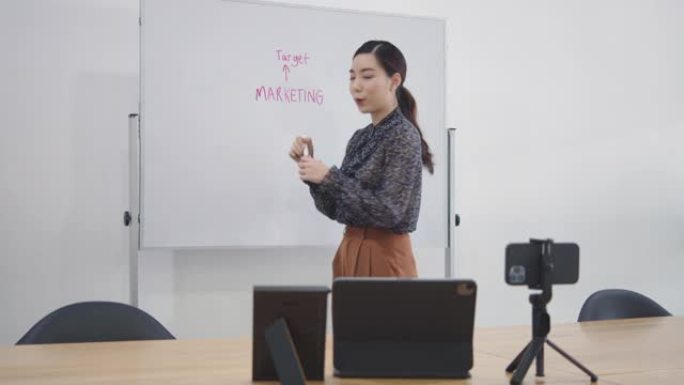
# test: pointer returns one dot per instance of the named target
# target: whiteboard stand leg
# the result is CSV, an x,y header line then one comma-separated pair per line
x,y
452,220
132,217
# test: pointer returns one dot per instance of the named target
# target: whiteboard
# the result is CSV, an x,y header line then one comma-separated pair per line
x,y
225,88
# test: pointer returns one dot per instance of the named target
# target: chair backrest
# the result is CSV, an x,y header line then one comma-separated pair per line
x,y
94,322
618,303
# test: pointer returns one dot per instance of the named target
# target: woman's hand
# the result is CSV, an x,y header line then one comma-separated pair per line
x,y
312,170
297,150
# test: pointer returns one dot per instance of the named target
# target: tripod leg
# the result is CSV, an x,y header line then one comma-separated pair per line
x,y
514,364
540,362
526,360
560,351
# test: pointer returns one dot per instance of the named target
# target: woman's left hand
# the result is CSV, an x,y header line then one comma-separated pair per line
x,y
312,170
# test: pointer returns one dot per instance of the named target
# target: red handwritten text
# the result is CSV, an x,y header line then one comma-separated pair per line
x,y
292,59
289,95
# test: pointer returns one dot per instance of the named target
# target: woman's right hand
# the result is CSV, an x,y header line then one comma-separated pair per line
x,y
299,145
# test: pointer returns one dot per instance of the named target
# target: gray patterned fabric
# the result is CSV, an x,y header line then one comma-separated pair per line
x,y
378,184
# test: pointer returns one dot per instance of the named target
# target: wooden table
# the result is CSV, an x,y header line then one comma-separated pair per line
x,y
638,351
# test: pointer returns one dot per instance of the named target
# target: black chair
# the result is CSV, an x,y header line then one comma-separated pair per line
x,y
95,322
618,303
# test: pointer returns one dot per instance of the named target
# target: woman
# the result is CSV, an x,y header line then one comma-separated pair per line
x,y
376,191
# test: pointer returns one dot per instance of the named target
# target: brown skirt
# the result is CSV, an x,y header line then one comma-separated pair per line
x,y
371,252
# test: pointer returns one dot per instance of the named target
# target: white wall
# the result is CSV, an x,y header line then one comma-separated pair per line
x,y
69,74
571,118
599,81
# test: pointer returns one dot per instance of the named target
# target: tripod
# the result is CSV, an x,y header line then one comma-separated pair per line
x,y
541,325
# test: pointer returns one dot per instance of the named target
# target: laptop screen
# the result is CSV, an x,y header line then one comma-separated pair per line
x,y
387,327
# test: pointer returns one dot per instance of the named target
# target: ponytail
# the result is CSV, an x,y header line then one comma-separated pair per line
x,y
407,105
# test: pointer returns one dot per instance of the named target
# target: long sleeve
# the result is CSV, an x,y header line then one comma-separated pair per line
x,y
390,203
379,182
323,201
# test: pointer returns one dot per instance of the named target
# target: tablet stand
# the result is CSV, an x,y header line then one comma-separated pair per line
x,y
284,354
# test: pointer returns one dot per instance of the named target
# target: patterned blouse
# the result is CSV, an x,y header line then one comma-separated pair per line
x,y
379,182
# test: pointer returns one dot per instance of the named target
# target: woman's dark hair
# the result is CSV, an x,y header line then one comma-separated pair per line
x,y
392,61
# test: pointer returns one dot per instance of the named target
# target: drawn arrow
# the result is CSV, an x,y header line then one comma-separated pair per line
x,y
286,70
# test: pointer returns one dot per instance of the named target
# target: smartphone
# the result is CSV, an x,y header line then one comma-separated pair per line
x,y
523,264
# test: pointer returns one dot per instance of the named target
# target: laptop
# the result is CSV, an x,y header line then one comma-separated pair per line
x,y
409,328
